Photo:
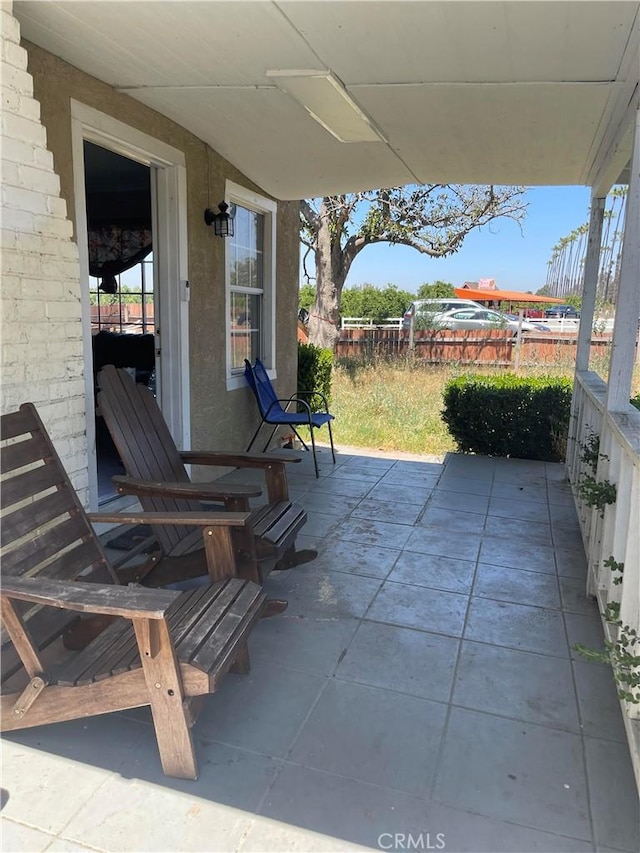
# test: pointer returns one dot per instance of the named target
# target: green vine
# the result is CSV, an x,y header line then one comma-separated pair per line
x,y
612,564
591,451
623,656
612,611
596,494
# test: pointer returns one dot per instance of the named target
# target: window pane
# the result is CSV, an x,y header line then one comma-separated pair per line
x,y
246,249
245,324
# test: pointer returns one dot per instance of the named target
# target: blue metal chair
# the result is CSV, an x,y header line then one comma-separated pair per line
x,y
272,412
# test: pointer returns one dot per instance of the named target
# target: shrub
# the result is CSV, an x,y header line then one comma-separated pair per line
x,y
635,402
508,415
314,373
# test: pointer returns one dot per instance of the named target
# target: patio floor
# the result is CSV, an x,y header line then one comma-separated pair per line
x,y
420,692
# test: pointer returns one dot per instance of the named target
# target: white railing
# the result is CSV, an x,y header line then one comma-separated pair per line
x,y
613,530
367,323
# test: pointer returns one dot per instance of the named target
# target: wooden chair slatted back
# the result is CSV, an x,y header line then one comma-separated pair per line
x,y
45,530
145,445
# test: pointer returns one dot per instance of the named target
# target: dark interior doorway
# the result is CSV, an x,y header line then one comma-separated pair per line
x,y
121,281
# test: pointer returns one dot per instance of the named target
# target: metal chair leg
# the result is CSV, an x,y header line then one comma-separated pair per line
x,y
333,453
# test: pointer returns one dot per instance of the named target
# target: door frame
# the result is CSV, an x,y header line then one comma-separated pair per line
x,y
169,191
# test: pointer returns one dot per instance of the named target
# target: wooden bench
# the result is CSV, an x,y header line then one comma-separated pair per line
x,y
161,648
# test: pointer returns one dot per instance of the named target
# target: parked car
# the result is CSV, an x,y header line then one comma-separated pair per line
x,y
427,309
484,318
562,311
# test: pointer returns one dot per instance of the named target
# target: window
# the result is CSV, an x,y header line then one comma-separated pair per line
x,y
131,308
250,258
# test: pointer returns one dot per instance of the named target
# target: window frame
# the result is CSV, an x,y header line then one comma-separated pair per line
x,y
237,194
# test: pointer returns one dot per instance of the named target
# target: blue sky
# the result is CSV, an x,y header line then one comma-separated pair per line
x,y
516,259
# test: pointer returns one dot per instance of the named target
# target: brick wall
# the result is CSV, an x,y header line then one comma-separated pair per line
x,y
42,359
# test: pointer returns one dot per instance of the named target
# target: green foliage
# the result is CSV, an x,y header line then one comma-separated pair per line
x,y
623,656
306,296
635,401
314,374
591,451
374,302
615,567
575,300
508,415
437,290
612,611
596,494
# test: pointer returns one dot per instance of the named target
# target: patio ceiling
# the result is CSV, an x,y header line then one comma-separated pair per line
x,y
534,93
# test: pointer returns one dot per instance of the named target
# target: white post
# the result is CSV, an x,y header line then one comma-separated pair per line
x,y
625,330
590,286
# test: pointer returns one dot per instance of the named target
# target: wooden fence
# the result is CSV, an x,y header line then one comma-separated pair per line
x,y
490,346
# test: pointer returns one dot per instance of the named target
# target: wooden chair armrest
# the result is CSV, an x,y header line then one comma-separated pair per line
x,y
197,519
236,460
187,490
128,601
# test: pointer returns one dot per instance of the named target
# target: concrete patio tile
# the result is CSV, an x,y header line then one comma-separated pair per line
x,y
39,785
419,607
531,629
273,836
516,555
319,525
572,592
343,486
435,572
614,797
519,475
401,659
568,538
319,543
374,532
63,845
511,508
432,469
328,503
525,686
16,836
564,516
319,593
382,510
368,464
585,630
353,811
519,492
358,476
521,532
262,711
560,496
463,485
461,522
465,832
458,502
436,541
418,478
571,562
341,555
466,465
367,733
415,495
514,771
504,584
309,644
130,815
598,702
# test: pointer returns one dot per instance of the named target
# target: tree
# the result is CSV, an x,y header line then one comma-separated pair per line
x,y
434,219
437,290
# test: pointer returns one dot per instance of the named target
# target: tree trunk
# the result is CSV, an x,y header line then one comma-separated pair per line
x,y
324,320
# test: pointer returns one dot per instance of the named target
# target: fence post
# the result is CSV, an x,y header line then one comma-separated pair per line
x,y
516,365
412,322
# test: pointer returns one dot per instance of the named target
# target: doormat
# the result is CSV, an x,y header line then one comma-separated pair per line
x,y
128,539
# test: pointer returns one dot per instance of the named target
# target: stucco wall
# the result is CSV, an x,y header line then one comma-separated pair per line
x,y
220,419
40,277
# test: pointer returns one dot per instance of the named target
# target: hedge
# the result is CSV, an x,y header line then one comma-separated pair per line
x,y
508,415
314,373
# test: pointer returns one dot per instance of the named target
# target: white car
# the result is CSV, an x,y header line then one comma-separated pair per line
x,y
483,318
427,309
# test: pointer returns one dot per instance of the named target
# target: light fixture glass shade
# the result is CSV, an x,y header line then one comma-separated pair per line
x,y
222,222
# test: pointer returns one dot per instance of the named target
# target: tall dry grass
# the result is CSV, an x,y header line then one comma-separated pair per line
x,y
397,404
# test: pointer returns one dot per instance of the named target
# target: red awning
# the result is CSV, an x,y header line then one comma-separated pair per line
x,y
502,295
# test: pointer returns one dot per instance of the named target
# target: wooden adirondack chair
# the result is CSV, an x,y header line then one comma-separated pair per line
x,y
163,648
157,476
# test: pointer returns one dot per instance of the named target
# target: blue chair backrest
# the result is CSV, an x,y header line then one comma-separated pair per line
x,y
260,384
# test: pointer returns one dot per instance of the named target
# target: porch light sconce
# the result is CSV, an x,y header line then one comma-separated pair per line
x,y
222,222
